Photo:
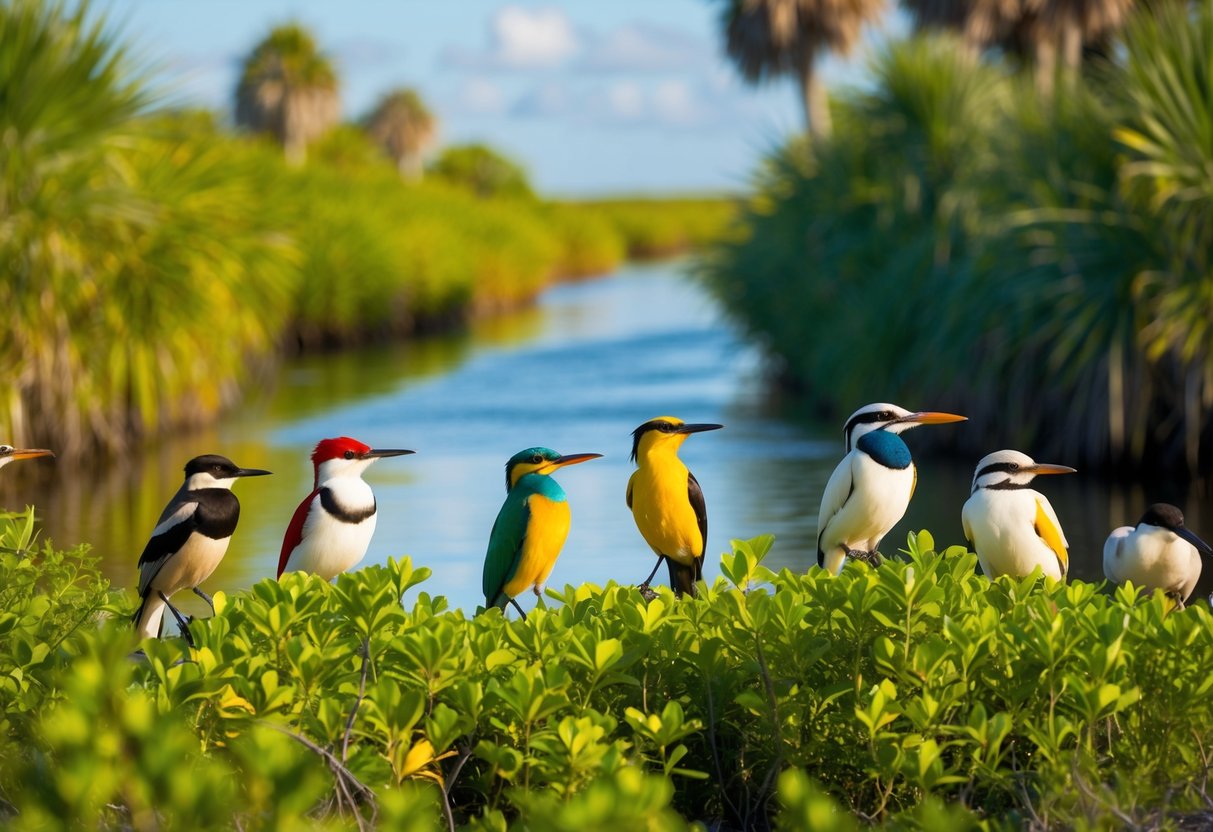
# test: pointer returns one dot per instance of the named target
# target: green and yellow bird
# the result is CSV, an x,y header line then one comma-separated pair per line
x,y
531,527
667,502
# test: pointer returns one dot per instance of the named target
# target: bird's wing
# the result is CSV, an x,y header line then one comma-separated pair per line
x,y
294,532
914,483
631,479
1049,528
964,522
505,546
167,539
838,488
1111,550
695,494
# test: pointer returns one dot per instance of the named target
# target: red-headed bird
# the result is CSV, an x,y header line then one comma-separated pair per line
x,y
332,528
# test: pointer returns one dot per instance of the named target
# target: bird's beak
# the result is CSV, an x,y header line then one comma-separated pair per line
x,y
697,428
573,459
932,417
1190,536
30,453
252,472
379,453
1045,468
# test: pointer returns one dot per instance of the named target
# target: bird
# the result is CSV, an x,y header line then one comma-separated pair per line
x,y
667,502
10,454
870,489
189,540
530,528
1160,552
331,529
1013,528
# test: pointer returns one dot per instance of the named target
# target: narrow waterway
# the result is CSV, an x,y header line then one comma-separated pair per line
x,y
577,373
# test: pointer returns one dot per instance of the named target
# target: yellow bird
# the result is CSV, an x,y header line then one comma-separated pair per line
x,y
667,502
1012,528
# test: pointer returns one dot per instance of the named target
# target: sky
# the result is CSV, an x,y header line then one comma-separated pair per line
x,y
593,97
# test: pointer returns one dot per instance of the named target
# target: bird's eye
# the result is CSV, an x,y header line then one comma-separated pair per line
x,y
666,427
887,416
537,458
349,454
6,449
1013,466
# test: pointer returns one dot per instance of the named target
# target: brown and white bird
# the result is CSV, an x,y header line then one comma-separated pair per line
x,y
1013,528
1160,552
189,540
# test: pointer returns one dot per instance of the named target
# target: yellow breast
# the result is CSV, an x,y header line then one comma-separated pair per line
x,y
663,511
545,535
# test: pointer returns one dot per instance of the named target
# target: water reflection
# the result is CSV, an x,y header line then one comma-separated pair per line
x,y
577,373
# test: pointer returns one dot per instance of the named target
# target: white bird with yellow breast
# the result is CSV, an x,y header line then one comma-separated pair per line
x,y
1013,528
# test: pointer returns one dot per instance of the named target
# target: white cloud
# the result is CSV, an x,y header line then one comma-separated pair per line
x,y
643,47
625,101
551,98
521,38
479,97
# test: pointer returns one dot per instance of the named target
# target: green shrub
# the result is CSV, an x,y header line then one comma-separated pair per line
x,y
917,695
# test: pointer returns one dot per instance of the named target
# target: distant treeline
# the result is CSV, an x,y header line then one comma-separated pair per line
x,y
1040,261
155,263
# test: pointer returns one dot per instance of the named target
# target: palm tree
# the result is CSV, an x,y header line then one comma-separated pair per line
x,y
773,37
404,127
288,89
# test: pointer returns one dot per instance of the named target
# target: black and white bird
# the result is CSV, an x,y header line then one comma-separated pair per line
x,y
1012,527
10,454
190,538
1160,552
871,487
332,528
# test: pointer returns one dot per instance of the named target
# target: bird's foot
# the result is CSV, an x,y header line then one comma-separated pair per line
x,y
209,600
872,558
646,592
520,612
182,622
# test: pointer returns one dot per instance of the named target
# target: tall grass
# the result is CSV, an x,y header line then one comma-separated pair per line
x,y
1041,266
153,265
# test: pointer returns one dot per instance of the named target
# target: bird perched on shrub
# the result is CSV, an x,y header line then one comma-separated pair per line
x,y
1160,552
332,528
870,489
667,502
531,526
10,454
1013,528
189,540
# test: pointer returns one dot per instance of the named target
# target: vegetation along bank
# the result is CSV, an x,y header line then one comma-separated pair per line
x,y
919,695
155,262
1033,255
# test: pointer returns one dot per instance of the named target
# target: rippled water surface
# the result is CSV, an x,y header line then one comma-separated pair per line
x,y
576,373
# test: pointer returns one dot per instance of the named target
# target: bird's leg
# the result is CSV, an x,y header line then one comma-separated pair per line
x,y
872,559
181,622
520,612
656,566
209,600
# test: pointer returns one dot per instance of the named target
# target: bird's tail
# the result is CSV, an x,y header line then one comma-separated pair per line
x,y
683,577
149,618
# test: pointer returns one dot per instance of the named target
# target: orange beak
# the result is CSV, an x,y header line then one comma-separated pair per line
x,y
30,453
1046,468
574,459
932,417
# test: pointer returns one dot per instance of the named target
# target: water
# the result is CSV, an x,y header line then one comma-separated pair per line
x,y
576,373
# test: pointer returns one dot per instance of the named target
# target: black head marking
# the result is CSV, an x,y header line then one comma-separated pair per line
x,y
654,424
219,467
1163,515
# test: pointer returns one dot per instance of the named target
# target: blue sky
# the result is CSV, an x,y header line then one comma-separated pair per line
x,y
593,97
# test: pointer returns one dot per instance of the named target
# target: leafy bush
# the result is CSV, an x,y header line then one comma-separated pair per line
x,y
483,171
964,242
916,695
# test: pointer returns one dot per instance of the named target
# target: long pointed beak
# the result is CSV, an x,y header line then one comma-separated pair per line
x,y
30,453
699,428
1047,468
252,472
573,459
1190,536
932,417
379,453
